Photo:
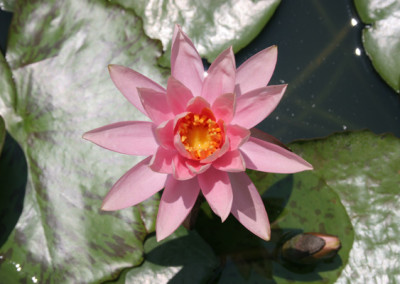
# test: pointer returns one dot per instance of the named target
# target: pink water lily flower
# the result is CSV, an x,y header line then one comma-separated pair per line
x,y
198,138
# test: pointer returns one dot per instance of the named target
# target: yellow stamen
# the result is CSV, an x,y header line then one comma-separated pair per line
x,y
200,134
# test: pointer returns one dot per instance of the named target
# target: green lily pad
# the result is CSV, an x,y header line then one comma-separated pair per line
x,y
381,39
183,257
2,133
7,5
212,25
364,169
54,87
295,203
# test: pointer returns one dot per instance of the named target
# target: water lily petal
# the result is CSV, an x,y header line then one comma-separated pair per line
x,y
127,137
248,207
186,64
176,202
221,76
256,72
224,107
216,188
178,95
135,186
156,105
237,135
197,104
232,161
197,168
259,103
164,134
181,171
127,81
162,161
267,157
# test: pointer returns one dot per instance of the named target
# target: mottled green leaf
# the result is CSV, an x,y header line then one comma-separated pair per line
x,y
381,39
2,133
8,5
54,87
183,257
364,169
212,25
295,203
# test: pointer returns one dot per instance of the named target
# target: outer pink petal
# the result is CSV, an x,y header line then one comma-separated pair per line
x,y
178,95
256,72
138,184
221,76
224,107
162,161
156,105
267,157
164,134
230,162
128,137
254,106
127,81
217,189
248,207
181,171
237,135
186,64
176,203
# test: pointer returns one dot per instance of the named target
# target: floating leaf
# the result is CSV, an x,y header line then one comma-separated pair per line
x,y
54,87
364,169
295,203
183,257
381,39
212,25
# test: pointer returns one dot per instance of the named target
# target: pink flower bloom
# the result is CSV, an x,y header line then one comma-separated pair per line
x,y
198,137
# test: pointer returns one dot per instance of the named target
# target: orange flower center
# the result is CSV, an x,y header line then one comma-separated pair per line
x,y
200,134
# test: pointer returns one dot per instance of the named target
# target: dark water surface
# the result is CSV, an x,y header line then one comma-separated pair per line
x,y
331,87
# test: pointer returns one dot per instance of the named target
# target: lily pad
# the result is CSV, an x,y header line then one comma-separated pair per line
x,y
212,25
381,37
184,257
364,169
54,87
295,203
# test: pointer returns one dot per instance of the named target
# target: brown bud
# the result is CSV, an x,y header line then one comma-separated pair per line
x,y
309,248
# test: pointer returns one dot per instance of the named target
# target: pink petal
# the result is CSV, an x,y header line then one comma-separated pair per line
x,y
176,203
178,95
232,161
217,189
162,161
256,72
156,105
197,168
267,157
221,76
127,81
128,137
164,134
186,64
237,136
224,107
197,104
259,103
180,147
181,171
248,207
135,186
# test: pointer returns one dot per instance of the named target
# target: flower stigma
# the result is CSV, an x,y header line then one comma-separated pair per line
x,y
200,134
